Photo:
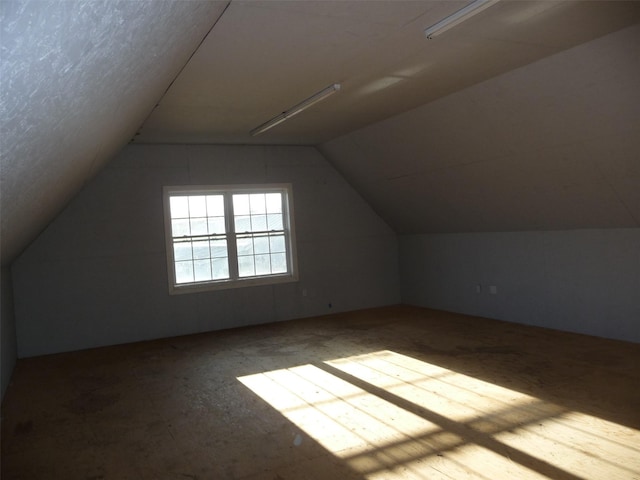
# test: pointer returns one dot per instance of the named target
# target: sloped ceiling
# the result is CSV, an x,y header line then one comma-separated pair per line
x,y
266,56
78,79
550,146
81,78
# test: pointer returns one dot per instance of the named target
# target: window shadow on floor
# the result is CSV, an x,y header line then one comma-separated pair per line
x,y
399,392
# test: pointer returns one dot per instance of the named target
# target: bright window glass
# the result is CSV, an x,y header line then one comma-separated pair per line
x,y
225,237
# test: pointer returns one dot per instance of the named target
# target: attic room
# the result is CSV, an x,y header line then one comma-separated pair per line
x,y
421,232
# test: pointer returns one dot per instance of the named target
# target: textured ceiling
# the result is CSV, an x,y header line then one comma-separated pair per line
x,y
81,78
78,78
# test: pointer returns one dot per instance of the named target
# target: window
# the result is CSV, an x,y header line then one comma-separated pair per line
x,y
227,236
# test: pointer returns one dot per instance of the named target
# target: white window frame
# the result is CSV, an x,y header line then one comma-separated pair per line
x,y
235,281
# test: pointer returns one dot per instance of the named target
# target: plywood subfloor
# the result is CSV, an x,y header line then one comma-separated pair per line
x,y
390,393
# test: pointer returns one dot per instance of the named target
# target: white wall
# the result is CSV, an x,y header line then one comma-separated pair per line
x,y
97,275
585,281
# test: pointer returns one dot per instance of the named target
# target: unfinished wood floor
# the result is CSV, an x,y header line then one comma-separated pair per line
x,y
390,393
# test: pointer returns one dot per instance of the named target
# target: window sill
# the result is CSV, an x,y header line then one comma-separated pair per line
x,y
229,284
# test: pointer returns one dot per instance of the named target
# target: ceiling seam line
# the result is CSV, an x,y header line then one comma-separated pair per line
x,y
616,194
182,68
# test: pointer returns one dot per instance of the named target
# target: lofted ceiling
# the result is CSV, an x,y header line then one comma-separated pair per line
x,y
78,77
554,145
82,78
263,57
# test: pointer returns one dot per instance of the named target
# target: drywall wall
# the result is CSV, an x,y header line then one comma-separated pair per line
x,y
98,276
585,281
8,346
549,146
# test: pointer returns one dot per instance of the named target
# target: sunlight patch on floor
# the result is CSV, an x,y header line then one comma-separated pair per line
x,y
388,415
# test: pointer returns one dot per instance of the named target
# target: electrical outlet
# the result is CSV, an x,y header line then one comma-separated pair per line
x,y
493,290
478,288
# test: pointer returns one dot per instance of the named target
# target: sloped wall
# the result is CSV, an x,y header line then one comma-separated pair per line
x,y
549,146
585,281
78,78
549,152
98,276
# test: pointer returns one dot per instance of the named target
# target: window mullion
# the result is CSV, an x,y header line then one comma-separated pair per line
x,y
232,247
287,231
192,237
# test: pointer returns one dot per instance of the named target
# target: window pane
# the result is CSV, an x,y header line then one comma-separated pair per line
x,y
274,202
261,245
243,224
220,268
202,270
201,249
258,223
200,235
215,205
198,226
197,206
245,266
257,203
277,243
180,228
263,265
216,225
184,272
241,204
218,248
274,222
245,246
278,263
179,207
182,251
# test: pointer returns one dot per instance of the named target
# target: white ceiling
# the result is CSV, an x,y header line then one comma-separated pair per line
x,y
263,57
553,145
78,78
81,78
